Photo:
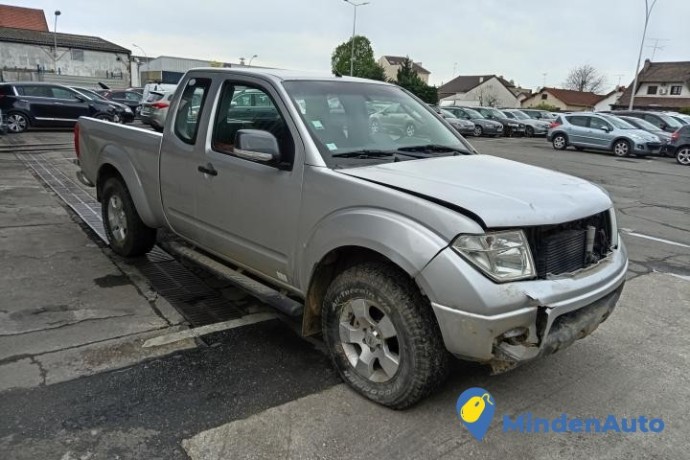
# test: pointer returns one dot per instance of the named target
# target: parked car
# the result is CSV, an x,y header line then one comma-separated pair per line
x,y
131,99
601,132
533,127
680,145
681,117
658,119
127,114
159,112
644,125
399,250
465,127
33,104
482,126
397,119
510,127
146,105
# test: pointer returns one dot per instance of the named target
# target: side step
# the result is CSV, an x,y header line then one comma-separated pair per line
x,y
262,292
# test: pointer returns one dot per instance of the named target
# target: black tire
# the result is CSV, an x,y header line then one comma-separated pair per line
x,y
560,141
422,358
529,131
478,131
17,122
138,238
621,148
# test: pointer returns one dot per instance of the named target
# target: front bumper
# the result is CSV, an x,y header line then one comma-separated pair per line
x,y
506,324
646,148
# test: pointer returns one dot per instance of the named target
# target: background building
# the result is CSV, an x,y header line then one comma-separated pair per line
x,y
480,90
660,86
391,65
564,99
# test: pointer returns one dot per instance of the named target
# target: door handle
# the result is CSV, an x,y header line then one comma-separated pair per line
x,y
208,169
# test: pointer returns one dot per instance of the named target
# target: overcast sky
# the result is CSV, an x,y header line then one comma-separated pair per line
x,y
519,39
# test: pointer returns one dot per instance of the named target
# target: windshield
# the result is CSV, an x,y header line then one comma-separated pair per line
x,y
353,122
447,114
473,113
643,124
520,115
494,112
670,121
618,123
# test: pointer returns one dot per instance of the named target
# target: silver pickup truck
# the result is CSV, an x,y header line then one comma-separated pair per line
x,y
401,246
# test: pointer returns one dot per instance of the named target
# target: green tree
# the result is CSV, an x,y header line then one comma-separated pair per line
x,y
408,78
365,65
546,106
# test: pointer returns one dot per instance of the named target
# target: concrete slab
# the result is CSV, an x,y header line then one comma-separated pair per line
x,y
23,373
634,365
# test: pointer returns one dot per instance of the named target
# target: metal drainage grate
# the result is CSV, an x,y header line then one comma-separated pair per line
x,y
195,300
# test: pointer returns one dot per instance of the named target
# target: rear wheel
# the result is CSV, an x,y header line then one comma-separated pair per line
x,y
382,335
560,142
127,234
683,156
621,148
17,122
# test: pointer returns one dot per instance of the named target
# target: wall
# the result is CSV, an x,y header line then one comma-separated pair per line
x,y
94,64
550,99
605,104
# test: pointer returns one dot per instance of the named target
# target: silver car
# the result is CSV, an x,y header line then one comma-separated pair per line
x,y
533,127
601,132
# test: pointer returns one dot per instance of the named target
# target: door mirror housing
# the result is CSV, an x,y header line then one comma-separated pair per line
x,y
606,129
257,145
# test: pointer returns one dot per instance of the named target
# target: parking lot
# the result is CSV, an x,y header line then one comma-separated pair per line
x,y
96,358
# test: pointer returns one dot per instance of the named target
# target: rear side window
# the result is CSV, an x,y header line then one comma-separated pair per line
x,y
6,90
578,121
35,91
190,107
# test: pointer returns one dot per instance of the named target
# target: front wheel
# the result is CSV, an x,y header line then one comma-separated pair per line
x,y
683,156
478,131
621,148
126,232
382,335
560,142
529,131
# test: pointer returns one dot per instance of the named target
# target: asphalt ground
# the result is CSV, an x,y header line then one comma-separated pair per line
x,y
259,391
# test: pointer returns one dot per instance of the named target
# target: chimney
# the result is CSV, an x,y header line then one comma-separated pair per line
x,y
481,79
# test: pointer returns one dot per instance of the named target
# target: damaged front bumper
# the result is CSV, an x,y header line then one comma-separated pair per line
x,y
504,325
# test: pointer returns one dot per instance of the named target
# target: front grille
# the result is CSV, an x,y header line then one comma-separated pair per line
x,y
562,248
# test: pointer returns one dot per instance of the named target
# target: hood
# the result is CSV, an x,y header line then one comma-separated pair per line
x,y
503,193
644,135
485,122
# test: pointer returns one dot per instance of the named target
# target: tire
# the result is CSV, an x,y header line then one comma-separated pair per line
x,y
104,116
621,148
410,130
529,131
127,234
17,122
364,304
560,142
683,155
478,131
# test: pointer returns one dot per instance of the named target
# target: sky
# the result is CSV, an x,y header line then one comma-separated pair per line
x,y
529,41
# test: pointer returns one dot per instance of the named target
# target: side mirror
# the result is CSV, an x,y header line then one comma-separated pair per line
x,y
663,126
606,129
257,145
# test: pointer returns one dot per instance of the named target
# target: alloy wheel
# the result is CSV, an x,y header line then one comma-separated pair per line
x,y
17,123
369,340
683,156
117,219
621,149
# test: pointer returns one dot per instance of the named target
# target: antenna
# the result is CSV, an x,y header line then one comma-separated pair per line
x,y
619,75
656,45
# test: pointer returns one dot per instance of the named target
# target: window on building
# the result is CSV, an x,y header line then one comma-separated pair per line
x,y
77,55
676,90
652,89
544,96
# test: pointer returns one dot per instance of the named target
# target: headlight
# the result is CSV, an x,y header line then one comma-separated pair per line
x,y
513,125
128,110
503,256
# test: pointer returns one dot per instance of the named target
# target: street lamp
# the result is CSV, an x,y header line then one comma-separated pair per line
x,y
141,49
354,26
57,13
251,59
648,13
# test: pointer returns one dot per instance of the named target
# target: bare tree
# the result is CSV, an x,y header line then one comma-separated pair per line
x,y
488,97
585,78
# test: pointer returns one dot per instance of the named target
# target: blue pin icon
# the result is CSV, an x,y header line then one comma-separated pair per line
x,y
475,409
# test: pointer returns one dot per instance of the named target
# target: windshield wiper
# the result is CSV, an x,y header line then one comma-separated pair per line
x,y
365,153
434,148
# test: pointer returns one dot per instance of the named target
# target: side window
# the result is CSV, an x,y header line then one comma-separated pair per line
x,y
35,91
509,115
244,107
578,121
62,93
188,110
133,97
598,123
653,120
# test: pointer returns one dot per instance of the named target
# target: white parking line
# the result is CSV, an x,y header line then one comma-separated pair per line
x,y
654,238
204,330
